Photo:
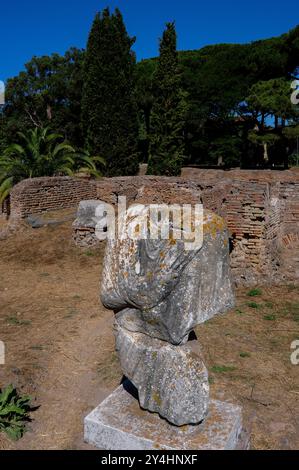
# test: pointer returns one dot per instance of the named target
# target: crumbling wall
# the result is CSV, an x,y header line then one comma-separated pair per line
x,y
245,213
261,209
262,212
37,195
289,201
149,189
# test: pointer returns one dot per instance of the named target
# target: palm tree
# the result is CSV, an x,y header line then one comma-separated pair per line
x,y
42,153
89,164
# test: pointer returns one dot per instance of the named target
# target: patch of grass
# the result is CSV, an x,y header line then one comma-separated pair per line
x,y
244,354
37,347
269,304
14,412
211,380
44,274
254,305
254,292
290,308
16,321
12,320
89,253
239,312
218,369
270,317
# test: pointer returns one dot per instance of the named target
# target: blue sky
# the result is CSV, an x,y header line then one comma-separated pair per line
x,y
39,27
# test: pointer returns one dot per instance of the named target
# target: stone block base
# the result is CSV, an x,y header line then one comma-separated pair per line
x,y
118,423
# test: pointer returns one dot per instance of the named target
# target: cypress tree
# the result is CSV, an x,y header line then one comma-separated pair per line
x,y
109,110
168,112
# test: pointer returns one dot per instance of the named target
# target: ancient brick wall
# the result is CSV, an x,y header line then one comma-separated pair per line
x,y
37,195
261,208
289,201
148,189
262,212
245,212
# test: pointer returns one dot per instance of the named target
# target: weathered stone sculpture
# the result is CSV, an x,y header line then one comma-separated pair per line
x,y
159,292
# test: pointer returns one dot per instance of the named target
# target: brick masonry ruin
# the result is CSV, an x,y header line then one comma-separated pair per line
x,y
262,212
261,209
38,195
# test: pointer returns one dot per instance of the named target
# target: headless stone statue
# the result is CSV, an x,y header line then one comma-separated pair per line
x,y
159,292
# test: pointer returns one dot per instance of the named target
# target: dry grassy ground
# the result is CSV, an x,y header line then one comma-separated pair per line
x,y
60,347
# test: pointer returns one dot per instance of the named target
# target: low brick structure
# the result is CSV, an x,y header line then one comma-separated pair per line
x,y
262,212
261,209
38,195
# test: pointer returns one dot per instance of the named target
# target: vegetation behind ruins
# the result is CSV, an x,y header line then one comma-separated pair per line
x,y
236,101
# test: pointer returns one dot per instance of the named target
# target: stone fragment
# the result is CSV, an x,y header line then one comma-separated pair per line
x,y
86,214
84,227
36,221
171,380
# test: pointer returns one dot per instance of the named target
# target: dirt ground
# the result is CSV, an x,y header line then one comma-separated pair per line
x,y
60,346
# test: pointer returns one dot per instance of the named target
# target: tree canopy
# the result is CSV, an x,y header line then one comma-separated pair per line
x,y
109,109
168,111
228,101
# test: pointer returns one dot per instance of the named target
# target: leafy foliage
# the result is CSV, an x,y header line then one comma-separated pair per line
x,y
42,153
46,94
14,412
227,103
254,292
218,79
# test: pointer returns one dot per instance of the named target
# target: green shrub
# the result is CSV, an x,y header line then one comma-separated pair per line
x,y
244,354
253,305
270,317
254,292
14,412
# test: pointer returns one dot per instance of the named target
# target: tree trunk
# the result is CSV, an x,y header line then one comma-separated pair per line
x,y
49,112
266,157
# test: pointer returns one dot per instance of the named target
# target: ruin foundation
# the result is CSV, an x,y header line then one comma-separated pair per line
x,y
261,208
